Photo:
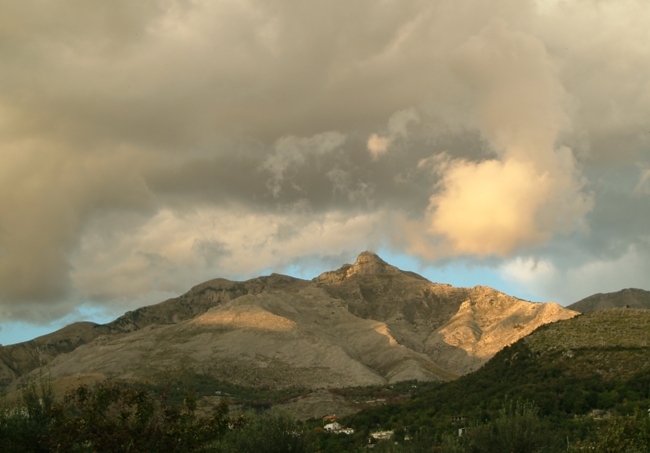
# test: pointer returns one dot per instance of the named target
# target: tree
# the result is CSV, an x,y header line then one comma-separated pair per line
x,y
517,429
272,432
113,418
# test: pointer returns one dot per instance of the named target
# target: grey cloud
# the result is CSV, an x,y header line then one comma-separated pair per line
x,y
397,128
353,191
345,178
643,186
212,251
286,231
292,151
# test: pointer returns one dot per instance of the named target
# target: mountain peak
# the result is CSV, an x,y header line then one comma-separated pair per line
x,y
369,257
369,263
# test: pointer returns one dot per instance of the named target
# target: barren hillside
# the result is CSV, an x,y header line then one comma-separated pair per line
x,y
365,323
626,298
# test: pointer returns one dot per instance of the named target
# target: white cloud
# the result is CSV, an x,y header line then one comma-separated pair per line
x,y
568,284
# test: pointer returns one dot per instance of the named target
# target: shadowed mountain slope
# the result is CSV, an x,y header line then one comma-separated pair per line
x,y
18,359
630,297
365,323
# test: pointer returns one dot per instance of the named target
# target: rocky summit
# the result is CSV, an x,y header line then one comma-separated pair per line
x,y
367,323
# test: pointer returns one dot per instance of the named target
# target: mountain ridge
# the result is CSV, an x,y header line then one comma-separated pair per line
x,y
625,298
364,323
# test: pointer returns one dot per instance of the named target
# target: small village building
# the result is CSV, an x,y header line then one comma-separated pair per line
x,y
331,427
382,435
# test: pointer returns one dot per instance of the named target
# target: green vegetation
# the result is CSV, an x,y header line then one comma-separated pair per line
x,y
517,428
106,418
204,385
268,433
564,400
567,369
114,418
620,435
554,391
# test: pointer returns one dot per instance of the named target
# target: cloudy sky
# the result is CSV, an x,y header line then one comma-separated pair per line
x,y
148,146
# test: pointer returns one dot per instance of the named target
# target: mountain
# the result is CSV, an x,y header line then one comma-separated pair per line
x,y
458,328
630,298
368,323
21,358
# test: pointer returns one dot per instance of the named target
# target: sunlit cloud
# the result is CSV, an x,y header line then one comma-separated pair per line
x,y
532,189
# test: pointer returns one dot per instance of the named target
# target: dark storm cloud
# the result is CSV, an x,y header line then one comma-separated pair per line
x,y
345,178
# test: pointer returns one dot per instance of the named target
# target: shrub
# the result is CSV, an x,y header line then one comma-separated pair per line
x,y
620,435
517,429
272,432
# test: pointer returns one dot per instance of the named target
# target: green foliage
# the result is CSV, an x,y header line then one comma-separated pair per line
x,y
106,418
26,427
114,418
176,383
517,429
111,417
396,391
272,432
551,381
620,434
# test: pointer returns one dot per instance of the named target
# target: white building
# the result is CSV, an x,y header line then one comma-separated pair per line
x,y
382,435
332,427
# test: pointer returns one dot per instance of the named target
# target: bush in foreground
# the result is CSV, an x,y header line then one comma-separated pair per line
x,y
106,418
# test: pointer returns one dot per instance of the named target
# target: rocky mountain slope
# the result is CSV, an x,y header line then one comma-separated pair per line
x,y
458,328
630,297
363,324
597,361
21,358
